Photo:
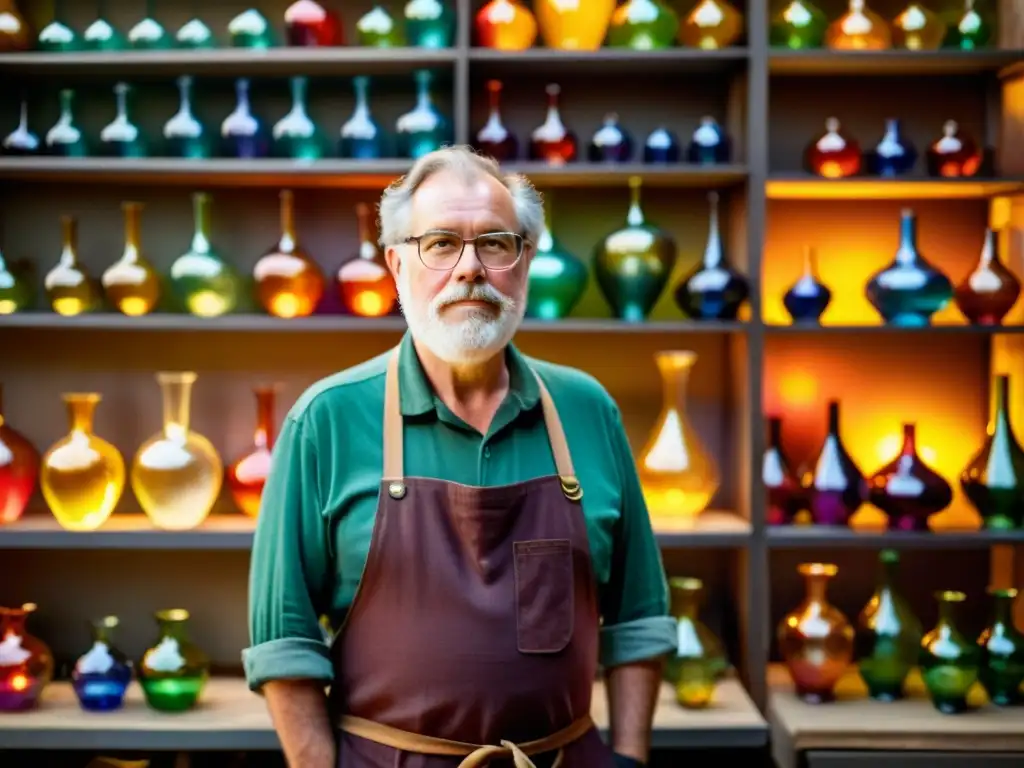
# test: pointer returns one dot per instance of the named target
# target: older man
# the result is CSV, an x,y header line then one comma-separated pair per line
x,y
471,517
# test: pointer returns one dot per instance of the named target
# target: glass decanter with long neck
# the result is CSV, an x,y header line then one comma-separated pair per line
x,y
203,283
295,135
58,37
365,284
131,283
250,29
377,29
174,671
556,278
15,31
361,137
21,141
895,154
247,475
551,141
121,137
17,289
310,24
859,29
288,282
176,474
70,289
711,25
429,23
19,469
907,489
184,135
242,133
82,475
1002,651
991,290
26,662
494,138
101,35
195,34
798,26
101,675
149,34
505,25
423,129
65,139
808,298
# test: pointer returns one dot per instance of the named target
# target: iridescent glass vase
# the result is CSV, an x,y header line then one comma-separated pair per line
x,y
808,298
1002,652
556,279
698,662
713,290
26,663
174,671
19,470
989,292
837,487
950,663
204,284
785,494
101,675
907,489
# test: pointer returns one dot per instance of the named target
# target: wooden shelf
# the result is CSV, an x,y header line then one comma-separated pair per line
x,y
960,329
803,186
232,717
606,60
895,62
713,528
815,537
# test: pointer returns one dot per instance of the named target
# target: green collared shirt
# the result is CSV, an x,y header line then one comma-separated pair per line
x,y
320,501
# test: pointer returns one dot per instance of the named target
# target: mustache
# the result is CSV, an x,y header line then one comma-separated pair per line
x,y
476,292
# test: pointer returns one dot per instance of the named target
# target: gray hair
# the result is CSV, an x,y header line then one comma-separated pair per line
x,y
397,198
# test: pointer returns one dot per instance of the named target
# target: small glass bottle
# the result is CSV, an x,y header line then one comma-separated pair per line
x,y
611,143
552,142
894,155
1002,652
661,147
16,32
365,284
26,662
64,139
917,29
247,475
295,135
173,673
21,141
429,23
70,289
698,662
16,286
837,488
101,35
101,675
57,37
310,24
833,155
205,285
149,34
130,283
949,662
954,154
242,133
991,290
785,495
288,282
195,34
377,29
808,298
798,26
184,135
494,138
361,138
556,279
121,137
969,30
859,29
711,25
709,144
423,129
250,29
505,25
643,25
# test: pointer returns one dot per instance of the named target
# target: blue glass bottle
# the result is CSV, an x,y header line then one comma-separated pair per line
x,y
184,135
101,675
910,290
423,129
808,298
361,137
661,146
611,143
894,155
709,144
242,133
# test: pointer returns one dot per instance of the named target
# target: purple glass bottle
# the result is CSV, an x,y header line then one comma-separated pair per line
x,y
838,488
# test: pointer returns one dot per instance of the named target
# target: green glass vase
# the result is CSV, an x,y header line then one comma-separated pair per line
x,y
15,287
699,661
1002,652
556,279
250,29
184,135
422,129
377,29
295,135
643,25
195,34
949,662
65,139
58,37
101,35
203,283
798,26
429,23
149,34
632,265
967,30
174,671
888,635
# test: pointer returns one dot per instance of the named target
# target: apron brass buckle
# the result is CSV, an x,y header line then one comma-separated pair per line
x,y
571,487
396,490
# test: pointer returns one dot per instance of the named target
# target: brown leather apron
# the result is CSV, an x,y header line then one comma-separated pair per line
x,y
473,637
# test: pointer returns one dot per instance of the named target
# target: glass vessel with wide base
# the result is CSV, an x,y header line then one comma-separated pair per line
x,y
365,284
494,138
19,469
505,25
711,25
82,476
785,495
954,154
968,30
65,139
15,31
16,285
422,129
121,137
149,34
242,134
552,142
361,137
377,29
556,279
288,282
176,474
859,29
131,283
837,487
917,29
1002,652
22,140
949,662
699,661
310,24
573,26
250,29
295,135
247,475
57,37
204,284
101,35
798,26
101,675
989,292
908,490
70,289
184,135
26,663
713,290
833,155
429,23
808,298
173,673
643,25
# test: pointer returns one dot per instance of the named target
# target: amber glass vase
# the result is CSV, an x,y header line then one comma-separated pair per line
x,y
949,662
917,29
699,660
26,664
577,26
505,25
130,283
1002,651
711,25
176,474
247,474
989,292
815,639
678,474
365,284
833,155
82,476
173,673
15,33
288,282
19,468
70,289
907,489
859,29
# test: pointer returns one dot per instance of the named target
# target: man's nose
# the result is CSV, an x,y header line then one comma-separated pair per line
x,y
469,269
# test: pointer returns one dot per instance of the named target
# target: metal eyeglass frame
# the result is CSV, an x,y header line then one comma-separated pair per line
x,y
521,242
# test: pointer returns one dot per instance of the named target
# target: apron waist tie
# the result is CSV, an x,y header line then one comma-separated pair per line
x,y
475,755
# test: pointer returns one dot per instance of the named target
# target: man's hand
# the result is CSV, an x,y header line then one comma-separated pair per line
x,y
632,696
298,709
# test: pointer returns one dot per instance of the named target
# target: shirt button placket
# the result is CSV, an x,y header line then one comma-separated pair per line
x,y
484,474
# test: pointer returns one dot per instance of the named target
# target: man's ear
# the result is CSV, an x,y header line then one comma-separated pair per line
x,y
393,260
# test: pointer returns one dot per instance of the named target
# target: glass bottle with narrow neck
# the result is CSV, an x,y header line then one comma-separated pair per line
x,y
310,24
907,489
494,138
250,29
194,34
288,282
149,34
837,489
968,29
295,135
785,496
423,129
174,671
711,25
242,133
377,29
949,662
808,298
21,141
121,137
916,28
22,683
698,662
713,290
58,37
247,475
1002,651
643,25
101,35
204,284
65,139
361,137
184,135
16,286
70,289
551,141
365,284
131,283
556,278
991,290
19,469
429,23
102,674
954,154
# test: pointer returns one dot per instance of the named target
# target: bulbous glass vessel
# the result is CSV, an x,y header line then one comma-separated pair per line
x,y
242,134
785,495
195,34
989,292
611,143
15,33
837,487
365,284
895,154
632,265
949,662
361,137
121,137
22,140
19,469
57,37
643,25
859,29
423,129
250,29
101,675
661,147
552,142
699,660
310,24
429,23
969,30
1002,652
907,489
295,135
247,475
82,475
101,35
711,25
131,283
576,25
505,25
288,282
713,290
184,135
149,34
833,155
556,278
917,29
16,289
70,289
494,138
173,673
377,29
26,663
176,474
203,283
954,154
798,26
808,298
709,144
65,139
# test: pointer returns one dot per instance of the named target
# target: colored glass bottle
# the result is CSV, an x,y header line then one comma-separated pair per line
x,y
895,154
833,155
785,495
708,145
423,129
242,133
295,135
203,283
698,662
101,675
815,639
678,475
888,636
101,35
910,290
288,282
195,34
505,25
250,29
551,142
798,26
21,141
494,138
713,290
149,34
837,489
131,284
1002,652
184,135
573,25
632,265
429,23
173,673
247,475
57,37
19,468
611,143
917,29
907,489
309,24
121,137
993,479
556,279
859,29
989,292
661,147
711,25
15,31
643,25
377,29
70,289
176,474
969,30
82,475
16,286
949,662
26,663
365,284
954,154
808,298
361,137
65,139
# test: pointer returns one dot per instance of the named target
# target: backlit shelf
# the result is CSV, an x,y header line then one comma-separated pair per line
x,y
954,329
606,60
804,186
895,62
841,537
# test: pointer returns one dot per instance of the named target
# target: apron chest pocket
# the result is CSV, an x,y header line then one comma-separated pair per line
x,y
544,595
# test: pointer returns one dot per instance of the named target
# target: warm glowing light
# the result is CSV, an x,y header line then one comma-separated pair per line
x,y
888,447
287,305
68,307
676,502
19,683
134,306
7,307
798,389
208,304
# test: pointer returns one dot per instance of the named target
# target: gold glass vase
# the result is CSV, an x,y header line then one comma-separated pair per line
x,y
711,25
82,475
859,29
177,474
131,284
677,473
573,25
70,289
918,29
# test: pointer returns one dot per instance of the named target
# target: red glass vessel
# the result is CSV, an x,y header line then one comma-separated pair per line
x,y
954,153
505,25
247,475
309,24
833,154
19,469
907,489
551,141
785,495
365,284
494,138
26,664
989,292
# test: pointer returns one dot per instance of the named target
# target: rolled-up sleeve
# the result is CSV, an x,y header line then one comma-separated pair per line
x,y
289,569
634,604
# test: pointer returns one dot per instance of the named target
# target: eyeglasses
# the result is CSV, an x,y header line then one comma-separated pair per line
x,y
442,250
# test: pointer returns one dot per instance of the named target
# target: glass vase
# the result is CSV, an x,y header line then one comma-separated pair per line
x,y
505,25
798,26
949,662
423,129
888,636
969,30
699,660
429,23
661,147
611,143
26,664
184,135
378,29
250,29
1002,652
101,35
309,24
57,37
713,290
195,34
242,134
632,265
149,34
917,29
22,140
494,138
837,487
894,155
807,299
16,286
709,144
173,673
907,489
101,675
785,494
131,283
954,154
989,292
711,25
643,25
833,155
909,290
577,25
993,479
19,469
203,283
361,137
365,284
815,639
288,282
15,31
859,29
176,474
247,475
70,289
556,278
121,137
65,139
295,135
678,475
82,475
552,142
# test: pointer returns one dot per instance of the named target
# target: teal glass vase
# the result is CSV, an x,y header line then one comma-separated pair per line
x,y
378,29
149,34
1002,652
121,137
361,136
949,662
195,34
250,29
65,139
429,23
184,135
16,290
643,25
798,26
556,278
101,35
203,283
295,135
173,673
967,30
58,37
423,129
